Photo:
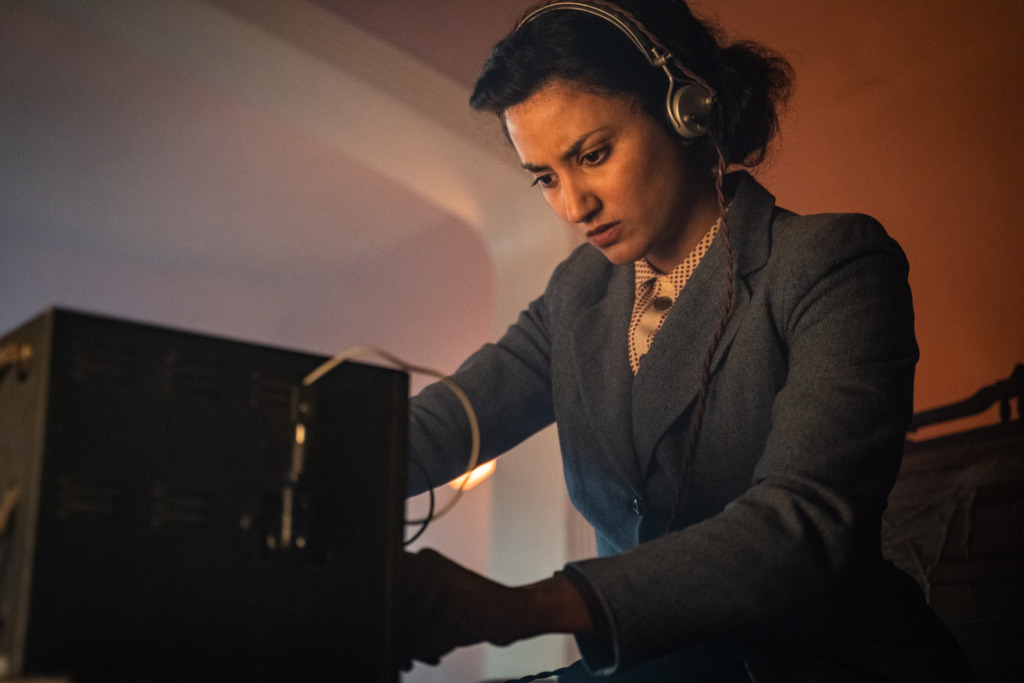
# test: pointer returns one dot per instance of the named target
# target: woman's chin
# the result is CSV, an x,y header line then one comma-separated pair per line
x,y
619,255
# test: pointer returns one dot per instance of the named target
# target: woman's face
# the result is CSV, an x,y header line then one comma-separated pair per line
x,y
608,168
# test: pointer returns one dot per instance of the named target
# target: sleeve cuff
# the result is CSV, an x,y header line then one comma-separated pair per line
x,y
598,648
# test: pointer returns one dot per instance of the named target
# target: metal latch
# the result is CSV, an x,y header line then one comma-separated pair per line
x,y
17,355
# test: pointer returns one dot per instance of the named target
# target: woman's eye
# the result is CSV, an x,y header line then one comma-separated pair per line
x,y
593,158
543,180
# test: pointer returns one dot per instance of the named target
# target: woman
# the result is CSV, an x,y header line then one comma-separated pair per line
x,y
731,382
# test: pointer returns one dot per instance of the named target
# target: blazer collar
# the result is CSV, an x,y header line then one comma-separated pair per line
x,y
750,222
601,364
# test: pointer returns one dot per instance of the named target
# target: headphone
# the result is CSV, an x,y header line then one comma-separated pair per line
x,y
690,99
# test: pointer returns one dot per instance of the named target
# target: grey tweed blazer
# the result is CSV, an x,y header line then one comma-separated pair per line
x,y
774,557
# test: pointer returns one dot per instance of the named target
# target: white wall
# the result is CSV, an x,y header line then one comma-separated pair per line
x,y
265,177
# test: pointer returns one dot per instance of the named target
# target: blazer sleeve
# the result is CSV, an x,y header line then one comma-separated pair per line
x,y
508,384
840,306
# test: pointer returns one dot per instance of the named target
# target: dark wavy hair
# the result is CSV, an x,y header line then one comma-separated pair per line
x,y
752,83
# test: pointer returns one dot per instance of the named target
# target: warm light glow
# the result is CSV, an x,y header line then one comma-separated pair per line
x,y
475,477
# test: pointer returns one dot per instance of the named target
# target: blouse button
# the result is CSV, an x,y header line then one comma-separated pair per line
x,y
662,303
637,506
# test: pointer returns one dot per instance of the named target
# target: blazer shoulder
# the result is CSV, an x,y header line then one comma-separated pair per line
x,y
806,250
584,276
585,260
830,234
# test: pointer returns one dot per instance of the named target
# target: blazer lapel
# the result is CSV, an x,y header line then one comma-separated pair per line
x,y
601,364
670,374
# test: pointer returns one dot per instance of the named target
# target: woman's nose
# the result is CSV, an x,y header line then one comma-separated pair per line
x,y
579,202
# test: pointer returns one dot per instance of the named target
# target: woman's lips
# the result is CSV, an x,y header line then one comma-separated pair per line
x,y
603,235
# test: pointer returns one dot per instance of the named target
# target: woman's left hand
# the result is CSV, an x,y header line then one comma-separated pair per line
x,y
444,606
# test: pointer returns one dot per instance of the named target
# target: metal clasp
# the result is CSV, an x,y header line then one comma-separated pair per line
x,y
17,355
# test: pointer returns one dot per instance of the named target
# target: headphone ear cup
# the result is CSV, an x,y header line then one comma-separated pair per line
x,y
689,109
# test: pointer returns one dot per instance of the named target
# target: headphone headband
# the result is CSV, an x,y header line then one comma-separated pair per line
x,y
689,100
656,55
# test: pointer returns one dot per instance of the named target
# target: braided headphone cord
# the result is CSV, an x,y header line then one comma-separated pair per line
x,y
723,321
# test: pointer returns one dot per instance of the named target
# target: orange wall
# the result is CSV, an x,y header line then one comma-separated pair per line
x,y
913,111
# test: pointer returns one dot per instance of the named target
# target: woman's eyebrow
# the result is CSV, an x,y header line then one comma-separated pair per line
x,y
573,150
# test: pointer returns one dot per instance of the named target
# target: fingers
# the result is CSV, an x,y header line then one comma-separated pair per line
x,y
444,606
